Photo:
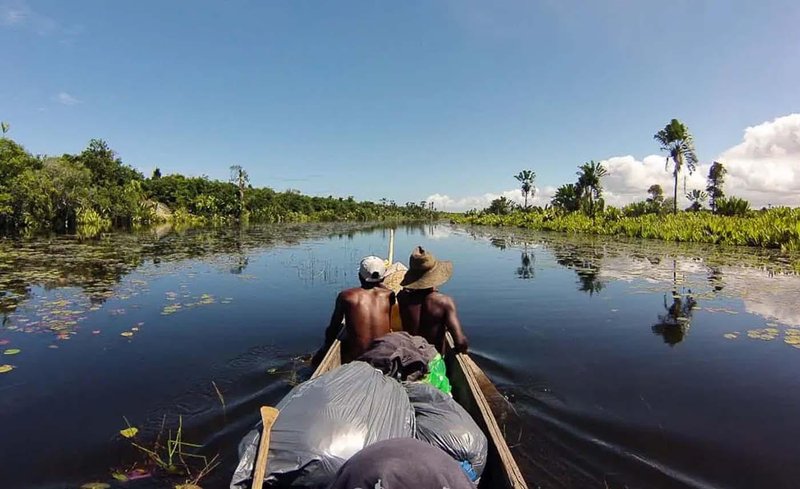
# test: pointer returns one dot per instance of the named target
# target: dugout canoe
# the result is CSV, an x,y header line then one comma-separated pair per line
x,y
473,390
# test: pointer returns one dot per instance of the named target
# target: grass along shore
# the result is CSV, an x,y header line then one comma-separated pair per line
x,y
777,228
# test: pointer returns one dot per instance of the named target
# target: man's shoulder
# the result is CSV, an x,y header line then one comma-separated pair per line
x,y
348,294
441,298
355,292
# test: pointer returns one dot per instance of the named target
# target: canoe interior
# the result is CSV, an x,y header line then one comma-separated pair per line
x,y
473,390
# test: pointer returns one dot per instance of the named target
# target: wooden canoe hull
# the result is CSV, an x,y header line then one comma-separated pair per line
x,y
473,390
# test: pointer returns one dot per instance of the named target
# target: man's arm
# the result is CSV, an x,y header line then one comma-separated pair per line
x,y
454,326
332,331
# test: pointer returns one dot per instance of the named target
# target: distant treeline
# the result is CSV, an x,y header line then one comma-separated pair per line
x,y
96,189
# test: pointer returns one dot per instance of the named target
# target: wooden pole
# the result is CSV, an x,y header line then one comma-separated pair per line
x,y
391,247
268,416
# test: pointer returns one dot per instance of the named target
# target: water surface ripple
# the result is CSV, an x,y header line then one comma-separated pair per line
x,y
626,363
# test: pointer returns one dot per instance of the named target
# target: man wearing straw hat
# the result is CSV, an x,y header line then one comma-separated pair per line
x,y
424,310
365,310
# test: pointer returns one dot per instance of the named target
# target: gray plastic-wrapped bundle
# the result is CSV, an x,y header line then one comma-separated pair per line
x,y
325,421
443,423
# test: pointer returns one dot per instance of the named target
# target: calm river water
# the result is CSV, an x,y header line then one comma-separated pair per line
x,y
628,364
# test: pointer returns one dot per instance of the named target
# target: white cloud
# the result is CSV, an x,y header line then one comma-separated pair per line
x,y
628,179
447,203
67,99
764,169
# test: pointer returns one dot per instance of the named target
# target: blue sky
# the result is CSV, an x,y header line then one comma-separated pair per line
x,y
392,99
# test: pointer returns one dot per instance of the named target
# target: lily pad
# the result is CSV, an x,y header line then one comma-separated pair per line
x,y
12,351
129,432
95,485
6,368
119,476
126,334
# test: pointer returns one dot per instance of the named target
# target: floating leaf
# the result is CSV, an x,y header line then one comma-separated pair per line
x,y
12,351
134,328
129,432
272,370
95,485
138,474
731,336
119,476
97,331
126,334
4,342
6,368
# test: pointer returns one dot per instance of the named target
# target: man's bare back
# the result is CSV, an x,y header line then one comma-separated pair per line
x,y
366,314
430,314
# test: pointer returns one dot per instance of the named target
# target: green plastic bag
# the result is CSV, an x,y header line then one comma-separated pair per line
x,y
437,375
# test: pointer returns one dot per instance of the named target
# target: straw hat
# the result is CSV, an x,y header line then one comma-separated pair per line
x,y
425,271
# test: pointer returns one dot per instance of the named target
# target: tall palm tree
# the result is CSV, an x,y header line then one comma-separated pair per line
x,y
589,185
526,178
566,197
716,178
676,140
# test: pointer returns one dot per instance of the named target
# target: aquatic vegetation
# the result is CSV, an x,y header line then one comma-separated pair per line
x,y
777,228
175,457
95,485
766,334
6,368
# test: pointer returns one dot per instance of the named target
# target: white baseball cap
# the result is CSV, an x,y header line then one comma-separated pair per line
x,y
372,269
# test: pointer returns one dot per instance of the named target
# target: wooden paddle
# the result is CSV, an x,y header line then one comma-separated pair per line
x,y
268,416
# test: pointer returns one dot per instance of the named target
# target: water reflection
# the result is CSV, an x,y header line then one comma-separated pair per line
x,y
92,270
765,280
585,262
675,323
526,269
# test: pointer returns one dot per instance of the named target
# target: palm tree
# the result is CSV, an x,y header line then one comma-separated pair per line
x,y
676,140
696,197
240,178
716,178
589,185
526,178
567,197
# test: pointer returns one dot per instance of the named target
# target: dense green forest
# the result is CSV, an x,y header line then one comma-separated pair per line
x,y
96,190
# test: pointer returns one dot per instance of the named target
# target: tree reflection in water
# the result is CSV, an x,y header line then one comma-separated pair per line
x,y
526,269
587,268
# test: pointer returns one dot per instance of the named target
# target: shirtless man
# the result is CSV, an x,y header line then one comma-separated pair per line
x,y
424,310
365,311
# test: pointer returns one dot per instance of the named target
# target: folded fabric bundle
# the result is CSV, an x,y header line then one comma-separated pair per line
x,y
400,355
